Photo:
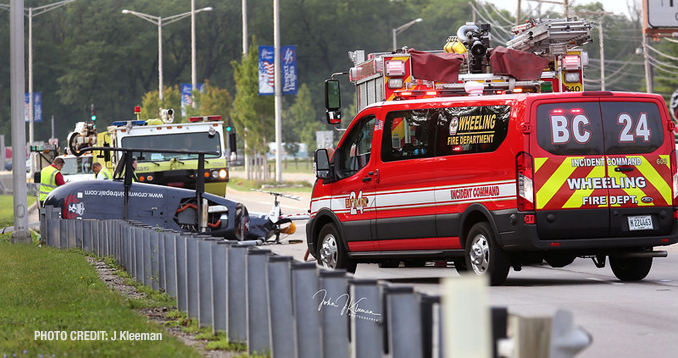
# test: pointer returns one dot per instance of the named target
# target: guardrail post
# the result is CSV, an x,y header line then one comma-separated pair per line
x,y
404,322
125,245
78,233
139,255
45,214
499,327
192,290
307,315
281,307
136,234
160,239
220,286
147,256
117,239
430,324
258,306
96,242
70,234
237,293
107,237
466,317
205,290
63,233
366,309
54,229
170,263
333,286
87,235
155,258
182,301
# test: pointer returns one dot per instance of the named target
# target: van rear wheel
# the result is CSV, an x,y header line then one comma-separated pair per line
x,y
331,252
484,256
631,268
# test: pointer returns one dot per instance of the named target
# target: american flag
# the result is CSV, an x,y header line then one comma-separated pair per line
x,y
270,71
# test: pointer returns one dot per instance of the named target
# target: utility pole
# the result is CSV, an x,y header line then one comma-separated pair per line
x,y
648,69
17,79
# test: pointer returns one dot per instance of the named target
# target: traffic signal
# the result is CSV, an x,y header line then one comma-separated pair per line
x,y
93,115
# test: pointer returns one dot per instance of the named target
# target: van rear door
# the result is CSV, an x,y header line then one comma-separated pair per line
x,y
602,168
638,162
569,171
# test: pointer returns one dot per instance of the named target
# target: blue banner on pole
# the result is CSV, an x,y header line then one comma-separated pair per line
x,y
288,66
288,63
266,70
37,107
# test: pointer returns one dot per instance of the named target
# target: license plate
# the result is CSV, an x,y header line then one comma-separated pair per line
x,y
642,222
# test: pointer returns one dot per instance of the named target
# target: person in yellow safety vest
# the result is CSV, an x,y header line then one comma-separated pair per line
x,y
101,173
134,172
134,168
50,178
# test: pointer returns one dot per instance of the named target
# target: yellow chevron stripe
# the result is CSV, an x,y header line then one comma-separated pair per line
x,y
575,201
652,176
553,184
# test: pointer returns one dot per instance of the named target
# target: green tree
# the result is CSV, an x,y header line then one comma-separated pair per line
x,y
300,121
250,110
171,99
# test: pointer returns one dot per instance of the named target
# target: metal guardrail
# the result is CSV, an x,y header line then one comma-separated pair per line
x,y
277,306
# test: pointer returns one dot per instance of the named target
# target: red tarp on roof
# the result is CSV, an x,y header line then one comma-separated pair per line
x,y
439,67
524,66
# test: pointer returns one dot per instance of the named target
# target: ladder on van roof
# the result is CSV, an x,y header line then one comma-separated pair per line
x,y
550,36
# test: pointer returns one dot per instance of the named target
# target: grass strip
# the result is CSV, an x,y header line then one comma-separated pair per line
x,y
46,289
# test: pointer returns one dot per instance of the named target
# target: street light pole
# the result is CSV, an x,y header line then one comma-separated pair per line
x,y
159,21
402,28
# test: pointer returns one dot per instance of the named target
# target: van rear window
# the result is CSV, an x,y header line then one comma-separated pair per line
x,y
599,128
570,128
631,127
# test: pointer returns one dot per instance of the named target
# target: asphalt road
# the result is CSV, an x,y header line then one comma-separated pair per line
x,y
626,320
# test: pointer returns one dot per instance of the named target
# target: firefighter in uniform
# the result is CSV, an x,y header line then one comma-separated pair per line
x,y
101,173
50,178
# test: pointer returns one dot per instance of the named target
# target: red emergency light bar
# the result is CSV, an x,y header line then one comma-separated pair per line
x,y
571,62
204,118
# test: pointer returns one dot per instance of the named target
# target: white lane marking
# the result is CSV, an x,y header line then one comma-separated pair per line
x,y
605,281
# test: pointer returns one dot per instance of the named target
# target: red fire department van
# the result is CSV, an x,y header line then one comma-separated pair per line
x,y
497,181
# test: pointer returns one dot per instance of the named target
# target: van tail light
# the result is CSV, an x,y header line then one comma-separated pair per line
x,y
674,174
524,181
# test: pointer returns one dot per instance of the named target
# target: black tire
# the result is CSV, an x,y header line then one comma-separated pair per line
x,y
460,266
631,268
331,252
389,264
484,256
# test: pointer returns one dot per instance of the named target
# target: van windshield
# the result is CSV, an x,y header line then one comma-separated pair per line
x,y
599,128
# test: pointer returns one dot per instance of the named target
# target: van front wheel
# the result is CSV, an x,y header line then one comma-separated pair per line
x,y
484,256
331,252
631,268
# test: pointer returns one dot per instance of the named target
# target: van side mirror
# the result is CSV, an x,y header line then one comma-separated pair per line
x,y
322,164
332,101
